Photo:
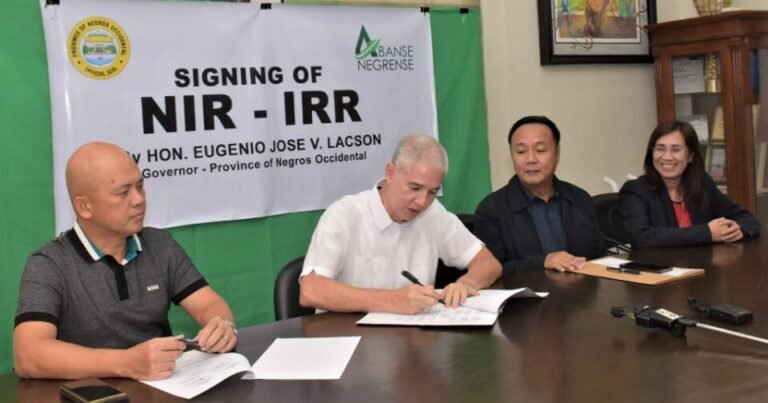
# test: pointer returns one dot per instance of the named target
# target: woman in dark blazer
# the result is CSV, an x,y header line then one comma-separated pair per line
x,y
676,203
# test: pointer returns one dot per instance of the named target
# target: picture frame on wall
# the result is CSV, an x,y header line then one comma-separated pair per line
x,y
595,31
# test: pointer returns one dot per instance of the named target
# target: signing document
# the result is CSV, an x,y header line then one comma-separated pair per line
x,y
299,358
197,372
305,358
480,310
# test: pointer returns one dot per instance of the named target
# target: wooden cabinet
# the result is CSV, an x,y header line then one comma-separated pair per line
x,y
710,70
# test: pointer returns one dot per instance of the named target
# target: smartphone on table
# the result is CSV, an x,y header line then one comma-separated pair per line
x,y
650,267
91,390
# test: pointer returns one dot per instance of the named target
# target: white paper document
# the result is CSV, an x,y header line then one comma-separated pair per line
x,y
305,358
688,75
609,261
493,300
615,262
480,310
197,372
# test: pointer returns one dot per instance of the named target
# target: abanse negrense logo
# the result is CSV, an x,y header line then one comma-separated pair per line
x,y
371,55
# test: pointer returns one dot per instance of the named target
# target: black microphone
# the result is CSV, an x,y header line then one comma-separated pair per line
x,y
659,318
618,312
655,318
617,244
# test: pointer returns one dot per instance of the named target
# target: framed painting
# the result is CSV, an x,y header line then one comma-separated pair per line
x,y
595,31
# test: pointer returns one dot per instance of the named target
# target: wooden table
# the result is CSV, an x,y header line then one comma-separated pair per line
x,y
565,348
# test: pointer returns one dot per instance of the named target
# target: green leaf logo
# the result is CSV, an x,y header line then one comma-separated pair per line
x,y
365,41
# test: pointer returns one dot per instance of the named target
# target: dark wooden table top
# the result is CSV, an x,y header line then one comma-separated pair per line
x,y
565,348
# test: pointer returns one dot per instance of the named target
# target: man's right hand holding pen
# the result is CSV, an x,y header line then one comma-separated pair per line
x,y
417,297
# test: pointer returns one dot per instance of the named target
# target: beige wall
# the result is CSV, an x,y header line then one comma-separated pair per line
x,y
605,112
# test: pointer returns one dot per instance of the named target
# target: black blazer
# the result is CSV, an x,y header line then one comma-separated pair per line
x,y
650,219
504,223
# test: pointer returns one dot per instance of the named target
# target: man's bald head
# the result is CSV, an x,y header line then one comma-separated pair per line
x,y
107,191
90,164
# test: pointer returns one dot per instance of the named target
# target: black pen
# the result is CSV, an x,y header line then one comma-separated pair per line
x,y
191,343
623,270
416,281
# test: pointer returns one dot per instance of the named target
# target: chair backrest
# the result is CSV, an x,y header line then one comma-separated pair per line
x,y
610,217
286,296
468,220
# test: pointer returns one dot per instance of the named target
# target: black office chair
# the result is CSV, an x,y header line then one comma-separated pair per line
x,y
610,218
447,274
286,296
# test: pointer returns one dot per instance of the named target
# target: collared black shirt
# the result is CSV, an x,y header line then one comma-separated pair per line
x,y
548,220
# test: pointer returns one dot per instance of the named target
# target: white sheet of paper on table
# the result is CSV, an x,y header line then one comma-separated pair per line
x,y
305,358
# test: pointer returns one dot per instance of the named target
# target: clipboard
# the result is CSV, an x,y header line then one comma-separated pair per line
x,y
647,278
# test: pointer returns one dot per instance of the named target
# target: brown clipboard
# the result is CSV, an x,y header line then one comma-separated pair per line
x,y
647,278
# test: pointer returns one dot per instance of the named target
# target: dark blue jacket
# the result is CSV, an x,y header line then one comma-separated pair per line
x,y
503,222
650,218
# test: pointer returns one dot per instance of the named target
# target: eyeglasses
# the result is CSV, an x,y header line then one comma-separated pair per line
x,y
661,150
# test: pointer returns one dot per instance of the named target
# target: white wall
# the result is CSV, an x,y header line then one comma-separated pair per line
x,y
605,112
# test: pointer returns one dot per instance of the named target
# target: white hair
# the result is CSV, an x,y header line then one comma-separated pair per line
x,y
420,148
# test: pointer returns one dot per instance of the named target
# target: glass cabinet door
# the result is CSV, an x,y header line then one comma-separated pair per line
x,y
698,100
758,68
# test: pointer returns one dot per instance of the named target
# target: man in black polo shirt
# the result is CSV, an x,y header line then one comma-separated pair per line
x,y
537,221
94,301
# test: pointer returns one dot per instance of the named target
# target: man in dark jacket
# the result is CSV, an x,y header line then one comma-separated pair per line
x,y
537,221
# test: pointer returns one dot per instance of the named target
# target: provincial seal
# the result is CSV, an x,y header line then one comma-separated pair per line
x,y
98,48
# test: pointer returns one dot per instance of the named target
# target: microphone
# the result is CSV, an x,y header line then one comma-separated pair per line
x,y
618,312
652,317
617,244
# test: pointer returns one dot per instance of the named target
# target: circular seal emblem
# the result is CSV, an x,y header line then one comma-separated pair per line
x,y
98,48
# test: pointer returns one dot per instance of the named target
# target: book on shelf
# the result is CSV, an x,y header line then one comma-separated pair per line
x,y
718,126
